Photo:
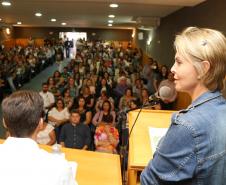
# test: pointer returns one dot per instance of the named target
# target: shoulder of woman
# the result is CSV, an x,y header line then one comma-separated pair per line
x,y
53,110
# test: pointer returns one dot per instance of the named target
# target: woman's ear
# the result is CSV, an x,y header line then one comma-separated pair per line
x,y
205,69
206,66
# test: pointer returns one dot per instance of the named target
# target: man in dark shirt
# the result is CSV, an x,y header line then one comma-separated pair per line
x,y
75,134
68,44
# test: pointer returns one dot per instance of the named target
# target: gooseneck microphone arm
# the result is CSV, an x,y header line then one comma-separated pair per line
x,y
127,140
134,123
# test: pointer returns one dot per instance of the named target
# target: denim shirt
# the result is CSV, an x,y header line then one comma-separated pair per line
x,y
193,151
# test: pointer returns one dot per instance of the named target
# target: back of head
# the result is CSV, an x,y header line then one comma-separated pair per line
x,y
201,44
22,111
167,93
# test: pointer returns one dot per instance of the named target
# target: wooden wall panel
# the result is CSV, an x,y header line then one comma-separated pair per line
x,y
22,42
9,43
182,101
39,42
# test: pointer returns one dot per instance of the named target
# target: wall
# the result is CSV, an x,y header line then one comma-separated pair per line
x,y
209,14
53,32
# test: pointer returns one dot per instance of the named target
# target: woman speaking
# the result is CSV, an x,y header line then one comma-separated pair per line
x,y
193,151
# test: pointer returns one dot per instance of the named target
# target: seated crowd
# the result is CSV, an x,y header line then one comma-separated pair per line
x,y
86,102
18,65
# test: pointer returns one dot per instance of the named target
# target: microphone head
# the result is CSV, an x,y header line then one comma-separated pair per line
x,y
153,100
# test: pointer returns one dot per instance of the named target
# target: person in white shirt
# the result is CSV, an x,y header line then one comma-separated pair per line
x,y
46,135
58,116
22,161
48,97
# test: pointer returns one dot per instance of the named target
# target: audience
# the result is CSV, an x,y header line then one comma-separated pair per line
x,y
48,97
75,134
58,116
101,99
85,114
104,115
125,99
106,138
102,81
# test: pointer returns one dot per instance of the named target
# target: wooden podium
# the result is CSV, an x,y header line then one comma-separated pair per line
x,y
93,168
140,152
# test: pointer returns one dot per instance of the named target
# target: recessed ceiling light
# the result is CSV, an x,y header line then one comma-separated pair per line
x,y
109,24
113,5
53,20
6,3
110,21
111,16
63,23
19,22
38,14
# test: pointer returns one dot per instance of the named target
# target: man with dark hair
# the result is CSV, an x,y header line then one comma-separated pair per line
x,y
68,44
22,161
47,96
75,134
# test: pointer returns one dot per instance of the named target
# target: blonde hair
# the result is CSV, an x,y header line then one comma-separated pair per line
x,y
202,44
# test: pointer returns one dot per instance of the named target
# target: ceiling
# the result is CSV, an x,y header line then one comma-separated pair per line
x,y
90,13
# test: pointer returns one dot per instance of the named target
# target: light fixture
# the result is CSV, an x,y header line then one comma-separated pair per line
x,y
7,31
53,20
111,16
19,22
63,23
113,5
6,3
0,19
109,24
110,21
38,14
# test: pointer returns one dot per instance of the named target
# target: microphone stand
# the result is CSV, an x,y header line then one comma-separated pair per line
x,y
124,150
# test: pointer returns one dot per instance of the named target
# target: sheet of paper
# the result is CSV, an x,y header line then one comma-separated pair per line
x,y
155,135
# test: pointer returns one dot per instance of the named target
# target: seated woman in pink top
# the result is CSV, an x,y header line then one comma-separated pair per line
x,y
106,137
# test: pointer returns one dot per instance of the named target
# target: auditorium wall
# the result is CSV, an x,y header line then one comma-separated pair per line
x,y
53,32
210,13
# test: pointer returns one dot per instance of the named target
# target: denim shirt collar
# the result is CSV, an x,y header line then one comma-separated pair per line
x,y
205,97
